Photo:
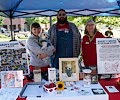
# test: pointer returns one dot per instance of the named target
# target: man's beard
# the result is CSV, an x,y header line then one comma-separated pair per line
x,y
62,21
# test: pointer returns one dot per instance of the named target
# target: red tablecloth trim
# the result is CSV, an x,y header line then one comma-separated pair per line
x,y
21,98
112,82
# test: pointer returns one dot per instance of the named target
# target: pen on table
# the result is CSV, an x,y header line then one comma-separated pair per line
x,y
38,96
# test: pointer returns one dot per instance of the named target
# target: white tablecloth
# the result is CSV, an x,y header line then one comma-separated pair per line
x,y
9,93
72,95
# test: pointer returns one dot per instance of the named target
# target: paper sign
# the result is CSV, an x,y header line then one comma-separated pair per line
x,y
111,89
108,55
12,79
52,75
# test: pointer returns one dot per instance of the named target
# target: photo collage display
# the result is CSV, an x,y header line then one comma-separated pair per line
x,y
14,58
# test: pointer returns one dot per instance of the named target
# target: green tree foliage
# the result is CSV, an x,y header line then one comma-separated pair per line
x,y
78,21
32,20
109,21
44,20
40,20
54,19
2,21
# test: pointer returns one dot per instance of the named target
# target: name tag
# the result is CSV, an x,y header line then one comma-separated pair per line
x,y
87,43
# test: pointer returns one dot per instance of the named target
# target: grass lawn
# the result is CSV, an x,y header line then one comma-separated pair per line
x,y
6,38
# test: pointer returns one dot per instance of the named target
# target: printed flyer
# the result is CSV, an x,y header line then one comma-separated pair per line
x,y
108,55
52,75
13,56
11,79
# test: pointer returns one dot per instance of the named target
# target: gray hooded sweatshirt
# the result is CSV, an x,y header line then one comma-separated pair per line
x,y
35,49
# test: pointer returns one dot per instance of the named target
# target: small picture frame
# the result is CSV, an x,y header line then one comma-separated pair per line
x,y
94,75
94,79
68,69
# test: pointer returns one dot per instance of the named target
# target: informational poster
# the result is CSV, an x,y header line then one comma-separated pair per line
x,y
108,55
11,79
13,56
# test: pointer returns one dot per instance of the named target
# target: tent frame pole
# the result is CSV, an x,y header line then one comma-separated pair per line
x,y
11,25
50,21
11,29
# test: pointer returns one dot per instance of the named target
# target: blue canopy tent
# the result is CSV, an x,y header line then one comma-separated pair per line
x,y
37,8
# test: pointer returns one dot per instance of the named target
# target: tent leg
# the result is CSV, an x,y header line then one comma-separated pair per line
x,y
11,29
50,21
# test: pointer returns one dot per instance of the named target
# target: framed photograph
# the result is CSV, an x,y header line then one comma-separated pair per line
x,y
94,79
68,69
94,75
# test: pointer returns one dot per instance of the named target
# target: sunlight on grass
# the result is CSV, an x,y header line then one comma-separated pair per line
x,y
8,39
4,39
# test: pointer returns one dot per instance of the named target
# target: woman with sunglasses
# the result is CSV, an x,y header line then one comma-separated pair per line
x,y
65,37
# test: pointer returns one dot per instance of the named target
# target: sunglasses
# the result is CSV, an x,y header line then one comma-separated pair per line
x,y
90,25
61,14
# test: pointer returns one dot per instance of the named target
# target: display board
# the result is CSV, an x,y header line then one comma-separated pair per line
x,y
13,56
108,55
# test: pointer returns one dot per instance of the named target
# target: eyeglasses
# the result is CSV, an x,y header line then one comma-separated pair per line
x,y
90,25
61,14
